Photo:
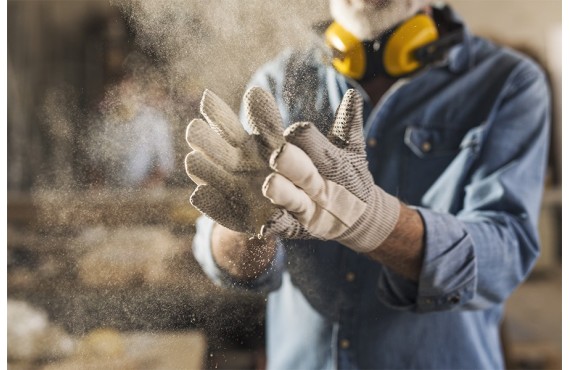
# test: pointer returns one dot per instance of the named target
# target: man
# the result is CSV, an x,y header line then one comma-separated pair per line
x,y
132,145
405,261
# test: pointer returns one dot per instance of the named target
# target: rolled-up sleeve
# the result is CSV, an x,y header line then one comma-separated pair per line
x,y
201,246
449,270
476,257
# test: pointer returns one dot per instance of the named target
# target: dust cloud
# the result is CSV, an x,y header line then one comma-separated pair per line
x,y
219,44
147,278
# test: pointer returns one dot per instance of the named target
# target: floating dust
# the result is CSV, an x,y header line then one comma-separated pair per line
x,y
219,45
186,47
127,256
120,258
31,336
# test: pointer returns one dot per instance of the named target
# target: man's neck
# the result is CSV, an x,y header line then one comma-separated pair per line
x,y
377,87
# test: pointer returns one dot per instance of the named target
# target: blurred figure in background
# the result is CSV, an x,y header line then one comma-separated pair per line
x,y
132,146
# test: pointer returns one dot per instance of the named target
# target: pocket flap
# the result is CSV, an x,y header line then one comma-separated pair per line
x,y
434,142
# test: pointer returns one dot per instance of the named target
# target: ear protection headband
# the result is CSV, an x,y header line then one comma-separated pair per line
x,y
400,51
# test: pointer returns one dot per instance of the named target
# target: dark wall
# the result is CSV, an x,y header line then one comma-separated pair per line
x,y
61,55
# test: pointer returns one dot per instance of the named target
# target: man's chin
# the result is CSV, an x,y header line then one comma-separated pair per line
x,y
377,4
366,19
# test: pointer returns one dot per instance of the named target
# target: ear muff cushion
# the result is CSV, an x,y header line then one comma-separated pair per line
x,y
349,56
410,35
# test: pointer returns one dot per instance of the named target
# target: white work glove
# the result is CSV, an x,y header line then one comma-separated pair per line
x,y
326,190
229,165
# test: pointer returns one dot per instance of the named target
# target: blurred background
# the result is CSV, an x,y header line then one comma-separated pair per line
x,y
100,269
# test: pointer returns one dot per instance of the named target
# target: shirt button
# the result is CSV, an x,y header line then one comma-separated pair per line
x,y
350,277
345,344
426,146
372,142
454,299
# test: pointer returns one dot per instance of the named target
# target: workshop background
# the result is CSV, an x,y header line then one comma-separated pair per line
x,y
100,271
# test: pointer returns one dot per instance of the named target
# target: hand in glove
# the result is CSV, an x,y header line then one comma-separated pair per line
x,y
228,164
326,189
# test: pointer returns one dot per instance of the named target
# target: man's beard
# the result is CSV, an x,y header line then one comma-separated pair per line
x,y
368,19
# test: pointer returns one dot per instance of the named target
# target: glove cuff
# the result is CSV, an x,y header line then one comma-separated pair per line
x,y
375,225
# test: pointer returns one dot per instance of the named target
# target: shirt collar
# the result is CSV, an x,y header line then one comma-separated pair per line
x,y
459,58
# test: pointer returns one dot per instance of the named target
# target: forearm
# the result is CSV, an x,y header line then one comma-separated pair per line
x,y
242,257
403,250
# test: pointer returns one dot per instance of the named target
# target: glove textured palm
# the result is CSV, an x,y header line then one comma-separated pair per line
x,y
229,164
324,186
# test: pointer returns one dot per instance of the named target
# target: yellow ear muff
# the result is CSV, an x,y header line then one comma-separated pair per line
x,y
409,36
349,57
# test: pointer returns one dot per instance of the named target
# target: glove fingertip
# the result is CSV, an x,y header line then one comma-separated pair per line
x,y
222,119
351,103
208,97
192,164
197,195
296,129
267,184
256,95
221,209
346,131
188,162
263,116
196,125
309,139
254,91
274,156
278,189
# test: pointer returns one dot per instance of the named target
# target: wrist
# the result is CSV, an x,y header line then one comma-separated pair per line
x,y
240,255
402,252
375,225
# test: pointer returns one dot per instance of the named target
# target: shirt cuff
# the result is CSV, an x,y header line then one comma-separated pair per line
x,y
448,274
201,246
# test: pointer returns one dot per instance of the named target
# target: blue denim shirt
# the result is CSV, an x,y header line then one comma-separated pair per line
x,y
465,143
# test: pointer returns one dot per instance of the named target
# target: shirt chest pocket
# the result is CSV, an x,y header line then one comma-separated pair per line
x,y
428,152
433,143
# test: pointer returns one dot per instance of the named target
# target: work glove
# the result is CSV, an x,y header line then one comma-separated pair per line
x,y
324,186
229,164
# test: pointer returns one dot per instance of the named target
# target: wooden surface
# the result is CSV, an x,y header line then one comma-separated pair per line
x,y
48,237
68,209
533,323
138,350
